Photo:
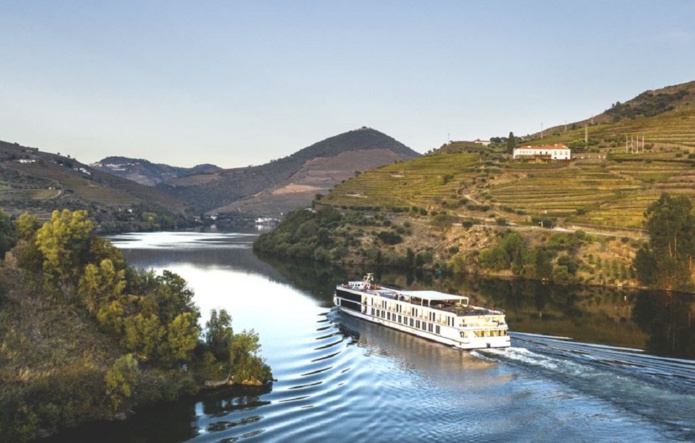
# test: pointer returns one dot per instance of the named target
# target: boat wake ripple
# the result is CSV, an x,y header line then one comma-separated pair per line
x,y
660,389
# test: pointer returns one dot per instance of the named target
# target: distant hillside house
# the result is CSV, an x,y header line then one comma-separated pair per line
x,y
549,152
481,142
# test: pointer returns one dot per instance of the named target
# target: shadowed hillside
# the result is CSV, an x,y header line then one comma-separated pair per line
x,y
146,172
40,182
292,181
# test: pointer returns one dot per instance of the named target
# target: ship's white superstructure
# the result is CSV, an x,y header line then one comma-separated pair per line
x,y
433,315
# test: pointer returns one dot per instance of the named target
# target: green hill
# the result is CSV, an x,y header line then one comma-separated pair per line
x,y
40,182
473,208
290,182
606,185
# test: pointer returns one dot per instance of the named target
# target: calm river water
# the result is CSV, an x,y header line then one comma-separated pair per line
x,y
344,380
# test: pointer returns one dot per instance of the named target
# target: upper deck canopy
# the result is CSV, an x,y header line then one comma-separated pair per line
x,y
435,296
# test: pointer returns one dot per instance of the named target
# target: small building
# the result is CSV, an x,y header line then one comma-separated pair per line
x,y
558,151
478,141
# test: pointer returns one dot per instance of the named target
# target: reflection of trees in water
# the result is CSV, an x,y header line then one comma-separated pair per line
x,y
221,403
604,315
668,319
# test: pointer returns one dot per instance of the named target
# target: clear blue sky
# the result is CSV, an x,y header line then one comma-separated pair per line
x,y
243,82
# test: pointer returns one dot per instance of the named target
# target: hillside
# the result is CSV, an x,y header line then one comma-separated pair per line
x,y
146,172
40,182
664,117
455,206
609,183
292,181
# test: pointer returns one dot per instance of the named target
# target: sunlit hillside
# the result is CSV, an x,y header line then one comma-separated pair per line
x,y
609,183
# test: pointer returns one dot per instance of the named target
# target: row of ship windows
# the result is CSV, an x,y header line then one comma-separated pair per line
x,y
413,323
450,321
488,333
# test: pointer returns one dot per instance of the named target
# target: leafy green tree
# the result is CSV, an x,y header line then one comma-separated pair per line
x,y
219,333
143,335
120,380
544,264
111,317
64,242
26,226
666,261
100,285
494,258
181,338
244,359
173,297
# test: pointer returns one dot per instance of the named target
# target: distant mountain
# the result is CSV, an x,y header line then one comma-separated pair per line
x,y
40,182
146,172
292,181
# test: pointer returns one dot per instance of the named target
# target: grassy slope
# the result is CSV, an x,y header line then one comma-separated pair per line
x,y
45,182
605,190
603,187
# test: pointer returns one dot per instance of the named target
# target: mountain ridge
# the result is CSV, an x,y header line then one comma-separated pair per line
x,y
40,182
255,189
146,172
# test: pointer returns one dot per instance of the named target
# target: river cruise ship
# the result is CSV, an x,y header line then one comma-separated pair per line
x,y
433,315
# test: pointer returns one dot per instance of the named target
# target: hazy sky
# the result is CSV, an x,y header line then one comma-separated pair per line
x,y
243,82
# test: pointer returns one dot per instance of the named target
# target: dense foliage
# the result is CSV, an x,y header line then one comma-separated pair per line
x,y
647,104
327,235
125,336
554,261
666,261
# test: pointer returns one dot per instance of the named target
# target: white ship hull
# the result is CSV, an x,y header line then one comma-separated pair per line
x,y
442,319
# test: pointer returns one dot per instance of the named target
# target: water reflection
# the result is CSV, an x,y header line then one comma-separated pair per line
x,y
342,379
668,319
657,322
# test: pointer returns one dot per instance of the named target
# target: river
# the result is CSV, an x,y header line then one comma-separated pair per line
x,y
583,367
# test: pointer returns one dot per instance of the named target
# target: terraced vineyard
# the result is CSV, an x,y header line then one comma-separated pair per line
x,y
612,192
424,182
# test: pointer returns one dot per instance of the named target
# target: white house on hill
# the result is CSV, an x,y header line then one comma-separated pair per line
x,y
552,152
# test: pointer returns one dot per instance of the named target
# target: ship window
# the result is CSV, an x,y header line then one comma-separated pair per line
x,y
411,322
417,324
438,330
429,327
399,319
372,311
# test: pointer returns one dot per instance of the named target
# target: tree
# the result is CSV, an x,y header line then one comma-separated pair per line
x,y
544,265
244,360
8,236
26,226
182,336
511,143
64,242
100,285
120,380
143,336
666,261
219,333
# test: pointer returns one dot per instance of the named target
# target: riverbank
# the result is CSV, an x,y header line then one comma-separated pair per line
x,y
357,238
85,337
